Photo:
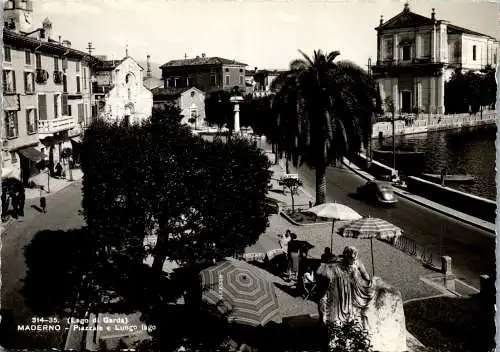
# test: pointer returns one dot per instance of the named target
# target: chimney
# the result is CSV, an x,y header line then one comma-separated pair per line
x,y
60,40
381,19
197,57
433,14
203,55
148,62
47,26
406,9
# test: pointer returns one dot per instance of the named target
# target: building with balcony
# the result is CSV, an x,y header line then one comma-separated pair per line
x,y
46,92
191,101
120,91
416,55
208,74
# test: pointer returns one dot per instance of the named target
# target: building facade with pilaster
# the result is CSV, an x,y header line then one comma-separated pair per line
x,y
45,89
416,55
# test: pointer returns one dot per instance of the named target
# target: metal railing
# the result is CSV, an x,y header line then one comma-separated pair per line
x,y
409,246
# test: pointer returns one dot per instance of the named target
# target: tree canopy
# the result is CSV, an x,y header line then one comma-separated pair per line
x,y
323,111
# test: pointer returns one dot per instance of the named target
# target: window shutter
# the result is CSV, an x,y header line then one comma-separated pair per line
x,y
42,107
55,106
28,127
78,84
65,104
35,118
16,125
13,81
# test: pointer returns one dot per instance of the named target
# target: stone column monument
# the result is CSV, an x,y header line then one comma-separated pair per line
x,y
236,101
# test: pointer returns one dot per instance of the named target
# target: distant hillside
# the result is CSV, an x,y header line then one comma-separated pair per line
x,y
155,70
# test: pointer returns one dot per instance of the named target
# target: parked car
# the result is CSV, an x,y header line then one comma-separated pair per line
x,y
377,191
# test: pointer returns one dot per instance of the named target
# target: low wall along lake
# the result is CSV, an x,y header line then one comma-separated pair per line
x,y
468,150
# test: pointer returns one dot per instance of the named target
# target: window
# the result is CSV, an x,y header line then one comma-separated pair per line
x,y
27,57
6,56
80,113
474,53
69,111
65,64
29,82
31,121
227,70
64,103
227,80
241,80
9,81
11,124
388,49
84,78
192,94
213,80
65,84
77,84
77,66
42,107
13,157
56,64
406,52
494,59
56,106
38,59
241,70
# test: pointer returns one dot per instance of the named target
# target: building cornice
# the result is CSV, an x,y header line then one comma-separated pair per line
x,y
22,41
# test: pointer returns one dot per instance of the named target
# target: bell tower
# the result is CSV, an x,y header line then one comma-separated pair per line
x,y
17,15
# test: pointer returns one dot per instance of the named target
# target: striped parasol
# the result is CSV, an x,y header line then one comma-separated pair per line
x,y
371,228
242,292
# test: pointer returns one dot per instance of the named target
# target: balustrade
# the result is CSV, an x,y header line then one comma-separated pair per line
x,y
56,125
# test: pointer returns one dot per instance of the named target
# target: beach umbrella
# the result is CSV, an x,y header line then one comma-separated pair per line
x,y
334,211
371,228
242,292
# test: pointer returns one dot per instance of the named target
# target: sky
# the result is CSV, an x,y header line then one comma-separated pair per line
x,y
261,33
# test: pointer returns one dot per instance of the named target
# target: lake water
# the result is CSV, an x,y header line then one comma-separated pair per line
x,y
464,151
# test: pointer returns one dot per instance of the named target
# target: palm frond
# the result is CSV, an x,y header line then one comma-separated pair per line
x,y
307,58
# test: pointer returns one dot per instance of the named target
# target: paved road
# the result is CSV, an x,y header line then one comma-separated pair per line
x,y
472,250
62,214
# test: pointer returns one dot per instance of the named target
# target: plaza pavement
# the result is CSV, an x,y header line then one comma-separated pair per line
x,y
392,265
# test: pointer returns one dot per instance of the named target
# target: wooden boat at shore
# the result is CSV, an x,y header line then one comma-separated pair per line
x,y
449,178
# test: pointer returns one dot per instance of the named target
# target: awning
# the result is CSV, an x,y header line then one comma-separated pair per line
x,y
77,139
31,154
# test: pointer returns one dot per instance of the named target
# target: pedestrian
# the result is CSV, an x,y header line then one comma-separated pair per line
x,y
327,256
284,240
43,204
22,200
310,204
15,204
59,170
443,175
293,257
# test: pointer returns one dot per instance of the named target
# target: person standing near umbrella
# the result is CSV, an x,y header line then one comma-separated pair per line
x,y
293,257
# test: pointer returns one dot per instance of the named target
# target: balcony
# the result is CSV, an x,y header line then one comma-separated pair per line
x,y
62,123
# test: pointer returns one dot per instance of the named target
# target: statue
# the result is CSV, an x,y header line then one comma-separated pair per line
x,y
349,292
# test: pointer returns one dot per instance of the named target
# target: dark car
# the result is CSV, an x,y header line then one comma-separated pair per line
x,y
377,191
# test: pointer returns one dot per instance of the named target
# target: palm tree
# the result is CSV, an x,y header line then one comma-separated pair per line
x,y
323,111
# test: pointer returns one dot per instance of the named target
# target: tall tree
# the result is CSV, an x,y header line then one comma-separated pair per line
x,y
323,111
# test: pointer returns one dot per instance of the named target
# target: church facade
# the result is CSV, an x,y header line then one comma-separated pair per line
x,y
416,55
120,92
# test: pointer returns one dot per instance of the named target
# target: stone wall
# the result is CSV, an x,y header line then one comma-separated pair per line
x,y
481,208
433,122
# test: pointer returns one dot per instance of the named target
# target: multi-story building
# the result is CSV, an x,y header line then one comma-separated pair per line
x,y
191,102
205,73
46,92
120,91
416,55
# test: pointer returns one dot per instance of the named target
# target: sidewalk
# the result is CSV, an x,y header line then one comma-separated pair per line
x,y
51,184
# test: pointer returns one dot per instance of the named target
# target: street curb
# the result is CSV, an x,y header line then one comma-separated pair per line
x,y
401,193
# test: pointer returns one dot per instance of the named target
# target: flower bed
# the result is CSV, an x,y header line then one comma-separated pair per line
x,y
301,217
